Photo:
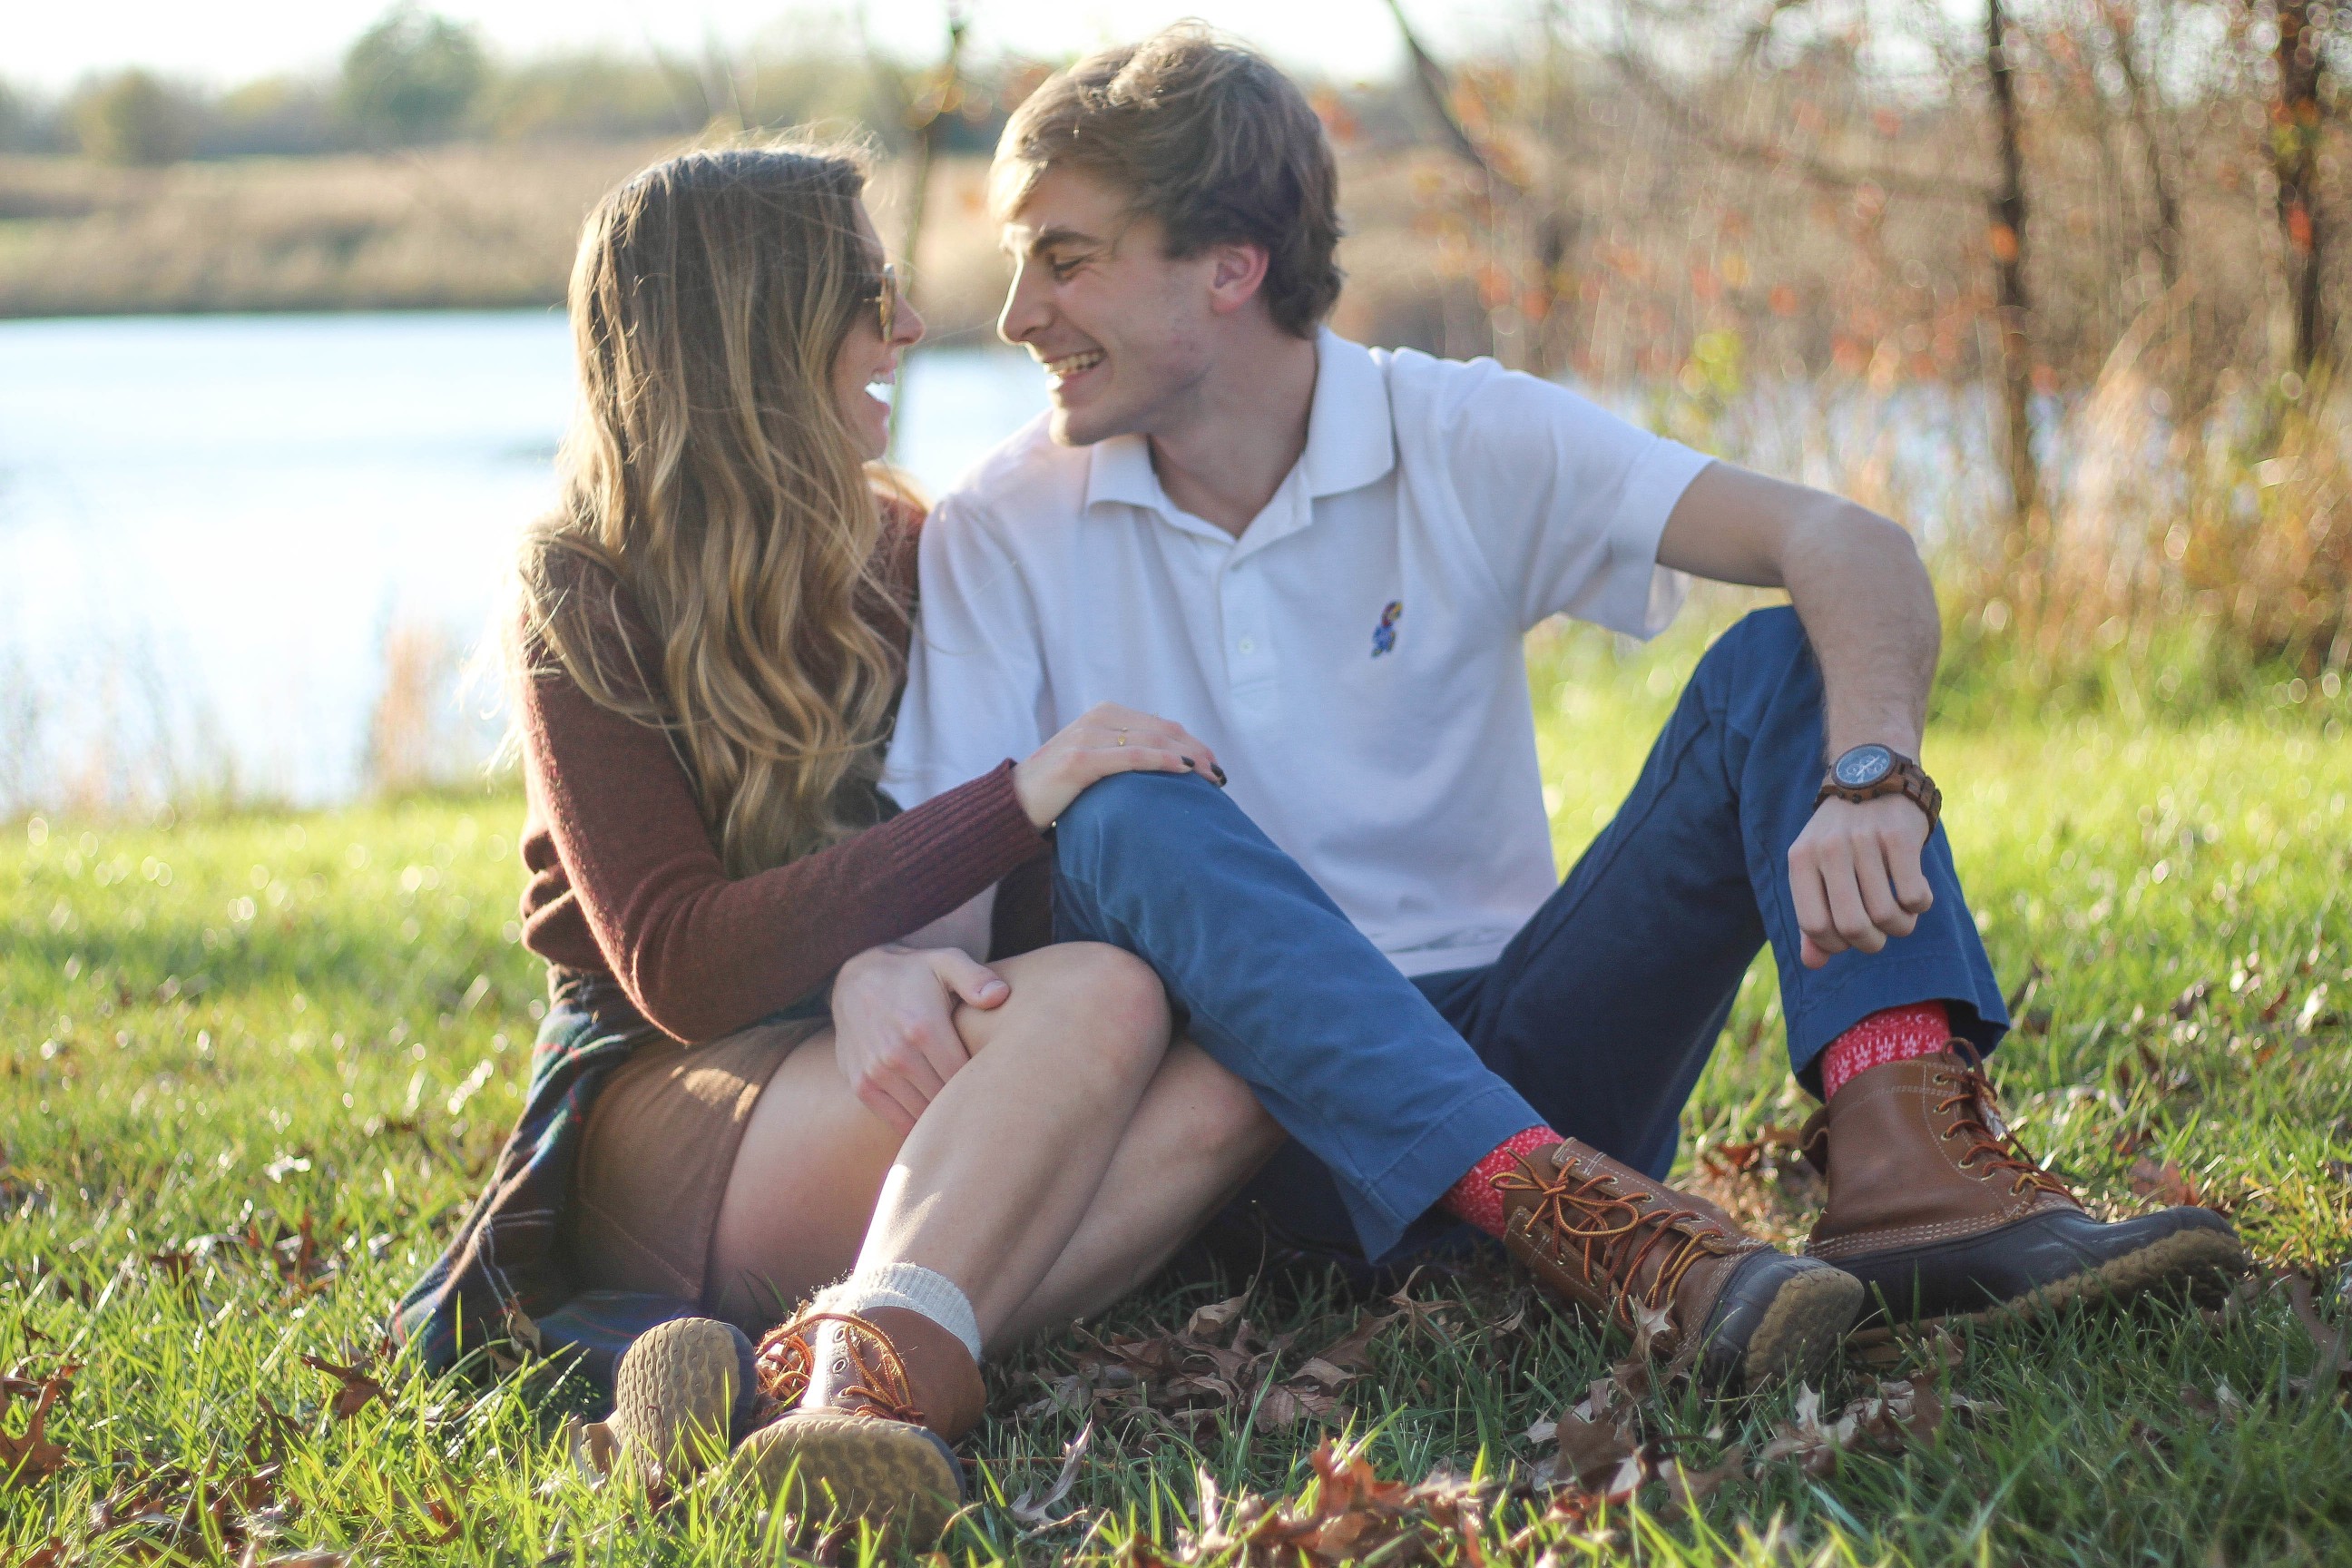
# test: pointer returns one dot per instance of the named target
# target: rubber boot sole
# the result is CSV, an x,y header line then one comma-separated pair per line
x,y
1802,1328
2182,1258
675,1396
2191,1256
825,1467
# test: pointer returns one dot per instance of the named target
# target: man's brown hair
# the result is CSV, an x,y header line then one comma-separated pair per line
x,y
1206,136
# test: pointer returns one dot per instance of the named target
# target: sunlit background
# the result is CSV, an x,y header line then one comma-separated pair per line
x,y
284,364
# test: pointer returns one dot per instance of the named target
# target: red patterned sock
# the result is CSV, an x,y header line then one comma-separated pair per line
x,y
1473,1199
1893,1035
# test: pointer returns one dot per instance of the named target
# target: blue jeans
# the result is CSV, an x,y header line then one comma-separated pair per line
x,y
1595,1020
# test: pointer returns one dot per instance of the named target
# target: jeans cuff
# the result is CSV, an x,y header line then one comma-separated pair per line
x,y
1385,1204
1885,982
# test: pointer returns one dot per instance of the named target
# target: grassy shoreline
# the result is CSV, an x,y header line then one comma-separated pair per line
x,y
211,1029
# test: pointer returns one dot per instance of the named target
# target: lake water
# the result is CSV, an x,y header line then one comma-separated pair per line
x,y
236,553
220,536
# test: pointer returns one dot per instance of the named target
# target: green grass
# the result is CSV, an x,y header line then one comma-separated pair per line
x,y
211,1029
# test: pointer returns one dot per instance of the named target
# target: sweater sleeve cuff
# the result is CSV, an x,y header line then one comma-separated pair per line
x,y
973,835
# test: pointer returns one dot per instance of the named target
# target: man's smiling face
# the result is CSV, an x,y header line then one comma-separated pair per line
x,y
1122,327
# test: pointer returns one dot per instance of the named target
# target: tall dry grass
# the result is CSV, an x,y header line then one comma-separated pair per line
x,y
452,227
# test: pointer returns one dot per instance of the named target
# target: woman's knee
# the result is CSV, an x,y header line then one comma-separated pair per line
x,y
1229,1120
1111,994
1114,985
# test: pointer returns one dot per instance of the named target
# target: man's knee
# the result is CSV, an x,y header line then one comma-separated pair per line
x,y
1122,810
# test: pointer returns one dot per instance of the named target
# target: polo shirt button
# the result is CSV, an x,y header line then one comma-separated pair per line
x,y
1248,646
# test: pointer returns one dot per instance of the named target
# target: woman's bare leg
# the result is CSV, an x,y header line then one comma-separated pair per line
x,y
1198,1136
998,1172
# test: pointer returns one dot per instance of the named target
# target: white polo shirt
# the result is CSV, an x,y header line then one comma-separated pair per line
x,y
1355,656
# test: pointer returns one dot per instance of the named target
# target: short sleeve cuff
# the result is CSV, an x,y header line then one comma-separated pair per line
x,y
1636,596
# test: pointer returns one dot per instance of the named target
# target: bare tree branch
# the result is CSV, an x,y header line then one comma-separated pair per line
x,y
1819,170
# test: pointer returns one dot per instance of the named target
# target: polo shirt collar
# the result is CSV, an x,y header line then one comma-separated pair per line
x,y
1351,439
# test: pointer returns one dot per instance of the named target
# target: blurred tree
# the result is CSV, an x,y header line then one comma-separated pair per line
x,y
2014,307
279,115
2298,118
411,77
20,127
135,117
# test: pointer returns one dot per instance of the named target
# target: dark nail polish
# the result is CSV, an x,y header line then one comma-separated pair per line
x,y
1220,774
1188,762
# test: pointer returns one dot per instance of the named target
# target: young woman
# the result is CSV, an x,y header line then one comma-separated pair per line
x,y
723,1115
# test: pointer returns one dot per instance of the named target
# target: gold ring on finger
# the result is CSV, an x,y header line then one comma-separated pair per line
x,y
1122,737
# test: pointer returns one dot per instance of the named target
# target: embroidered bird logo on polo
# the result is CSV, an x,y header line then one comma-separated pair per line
x,y
1384,634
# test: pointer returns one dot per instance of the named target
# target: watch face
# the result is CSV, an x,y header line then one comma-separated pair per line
x,y
1863,766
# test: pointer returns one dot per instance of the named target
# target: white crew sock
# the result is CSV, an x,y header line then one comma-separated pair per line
x,y
907,1285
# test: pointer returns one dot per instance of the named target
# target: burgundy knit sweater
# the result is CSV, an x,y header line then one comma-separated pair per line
x,y
625,880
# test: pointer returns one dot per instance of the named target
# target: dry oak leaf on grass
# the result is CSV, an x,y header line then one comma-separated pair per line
x,y
355,1390
1216,1363
32,1456
2331,1369
179,1514
1039,1514
1356,1517
2167,1183
1898,1414
1600,1447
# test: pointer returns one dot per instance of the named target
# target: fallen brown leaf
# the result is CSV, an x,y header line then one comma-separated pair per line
x,y
1592,1449
447,1523
2164,1181
2330,1367
1214,1319
32,1458
1352,1352
1356,1516
1686,1488
356,1389
1039,1515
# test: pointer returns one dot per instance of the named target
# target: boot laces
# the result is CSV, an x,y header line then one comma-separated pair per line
x,y
1989,1134
1616,1233
786,1365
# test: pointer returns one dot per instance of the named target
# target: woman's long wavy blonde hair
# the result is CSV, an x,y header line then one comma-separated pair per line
x,y
710,472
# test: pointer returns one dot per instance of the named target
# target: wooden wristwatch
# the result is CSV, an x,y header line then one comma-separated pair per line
x,y
1865,772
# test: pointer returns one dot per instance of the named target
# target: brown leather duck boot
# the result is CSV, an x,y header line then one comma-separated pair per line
x,y
868,1413
1602,1236
1936,1208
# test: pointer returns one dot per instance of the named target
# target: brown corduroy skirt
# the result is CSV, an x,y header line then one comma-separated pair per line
x,y
657,1152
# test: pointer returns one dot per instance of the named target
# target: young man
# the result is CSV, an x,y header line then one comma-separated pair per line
x,y
1318,563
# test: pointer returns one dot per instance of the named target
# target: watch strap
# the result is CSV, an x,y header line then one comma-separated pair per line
x,y
1906,778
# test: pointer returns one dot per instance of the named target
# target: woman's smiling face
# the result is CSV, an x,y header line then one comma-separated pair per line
x,y
867,358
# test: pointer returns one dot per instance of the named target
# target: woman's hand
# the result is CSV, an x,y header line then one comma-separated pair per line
x,y
894,1029
1105,739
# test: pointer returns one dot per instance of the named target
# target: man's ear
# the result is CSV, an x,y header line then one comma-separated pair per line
x,y
1236,273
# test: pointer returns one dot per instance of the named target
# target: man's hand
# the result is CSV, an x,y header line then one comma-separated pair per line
x,y
894,1029
1855,876
1105,739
